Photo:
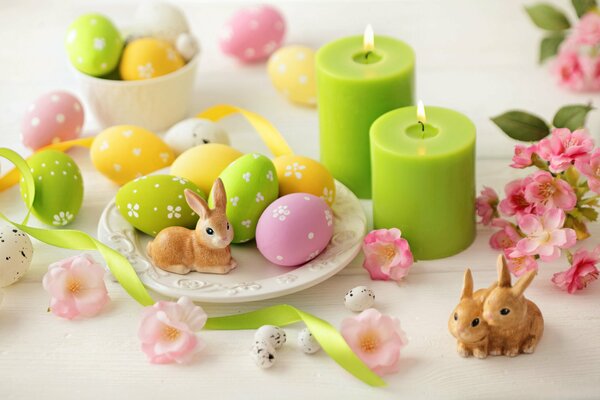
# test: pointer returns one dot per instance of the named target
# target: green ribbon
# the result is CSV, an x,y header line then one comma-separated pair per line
x,y
281,315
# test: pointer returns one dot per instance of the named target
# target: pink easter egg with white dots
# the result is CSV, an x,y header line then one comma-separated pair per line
x,y
54,117
253,34
294,229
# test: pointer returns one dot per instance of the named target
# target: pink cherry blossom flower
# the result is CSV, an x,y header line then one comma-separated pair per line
x,y
168,331
522,157
587,30
506,238
486,204
545,235
376,339
591,65
564,147
590,168
387,255
520,265
583,271
568,69
76,286
515,202
546,191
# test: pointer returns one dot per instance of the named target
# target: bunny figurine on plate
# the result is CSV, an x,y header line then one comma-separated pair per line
x,y
206,249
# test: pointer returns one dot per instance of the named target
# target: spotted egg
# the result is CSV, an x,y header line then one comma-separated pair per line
x,y
299,174
154,202
292,72
263,354
253,34
203,164
149,58
16,252
93,44
359,299
53,117
251,185
194,132
272,334
125,152
58,187
307,342
294,229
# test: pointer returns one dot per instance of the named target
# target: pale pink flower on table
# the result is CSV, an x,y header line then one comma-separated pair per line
x,y
545,235
507,237
387,254
76,286
168,331
486,204
583,271
376,339
587,30
546,191
569,71
515,202
564,147
590,168
520,265
522,157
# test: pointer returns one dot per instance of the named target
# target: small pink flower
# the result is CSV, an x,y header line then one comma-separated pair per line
x,y
507,237
591,66
520,265
168,331
486,204
387,255
515,202
587,30
583,271
522,157
545,235
590,168
568,70
376,339
546,191
564,147
76,287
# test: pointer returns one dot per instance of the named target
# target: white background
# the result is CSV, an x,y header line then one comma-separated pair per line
x,y
478,57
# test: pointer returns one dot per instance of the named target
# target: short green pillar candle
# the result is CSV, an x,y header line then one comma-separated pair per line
x,y
424,179
358,80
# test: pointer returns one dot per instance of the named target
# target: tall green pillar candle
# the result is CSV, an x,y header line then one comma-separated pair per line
x,y
424,179
357,82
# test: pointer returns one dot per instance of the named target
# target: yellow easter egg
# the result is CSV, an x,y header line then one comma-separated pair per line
x,y
292,71
299,174
149,58
203,164
125,152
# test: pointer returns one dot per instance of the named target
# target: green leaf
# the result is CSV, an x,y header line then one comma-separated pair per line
x,y
549,45
572,116
571,175
522,126
589,213
583,6
548,17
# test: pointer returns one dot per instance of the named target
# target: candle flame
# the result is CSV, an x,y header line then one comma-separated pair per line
x,y
369,39
421,112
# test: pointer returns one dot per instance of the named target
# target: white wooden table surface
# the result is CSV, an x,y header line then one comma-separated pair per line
x,y
475,56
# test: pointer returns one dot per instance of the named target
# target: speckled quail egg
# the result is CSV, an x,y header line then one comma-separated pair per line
x,y
194,132
359,299
271,334
16,252
307,342
263,354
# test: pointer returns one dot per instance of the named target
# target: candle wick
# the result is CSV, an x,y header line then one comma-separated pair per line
x,y
367,54
422,126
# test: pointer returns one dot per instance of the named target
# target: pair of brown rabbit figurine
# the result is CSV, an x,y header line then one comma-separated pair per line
x,y
206,249
498,320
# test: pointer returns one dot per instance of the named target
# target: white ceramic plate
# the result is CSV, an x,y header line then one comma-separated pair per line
x,y
255,278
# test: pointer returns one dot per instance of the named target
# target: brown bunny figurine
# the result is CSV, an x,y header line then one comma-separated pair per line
x,y
516,324
205,249
466,322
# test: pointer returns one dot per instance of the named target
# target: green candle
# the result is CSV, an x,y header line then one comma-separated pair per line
x,y
358,81
424,178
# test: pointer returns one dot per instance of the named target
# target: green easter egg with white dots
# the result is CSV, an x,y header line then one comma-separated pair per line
x,y
155,202
93,44
251,185
58,187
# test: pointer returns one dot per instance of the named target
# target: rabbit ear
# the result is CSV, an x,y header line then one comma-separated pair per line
x,y
523,283
219,195
196,203
503,272
467,289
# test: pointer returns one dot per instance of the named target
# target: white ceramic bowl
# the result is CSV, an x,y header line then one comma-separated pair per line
x,y
155,104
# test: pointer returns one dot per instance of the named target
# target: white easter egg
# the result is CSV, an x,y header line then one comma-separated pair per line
x,y
307,342
193,132
359,299
187,45
263,354
16,252
159,20
271,334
